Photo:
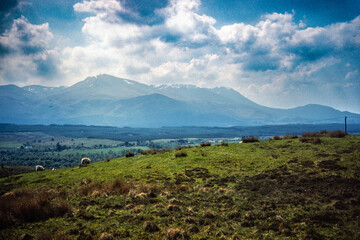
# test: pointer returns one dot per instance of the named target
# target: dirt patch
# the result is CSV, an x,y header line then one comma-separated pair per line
x,y
197,172
331,165
301,185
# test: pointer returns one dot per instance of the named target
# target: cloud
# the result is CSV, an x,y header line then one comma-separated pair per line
x,y
27,38
181,19
177,43
26,52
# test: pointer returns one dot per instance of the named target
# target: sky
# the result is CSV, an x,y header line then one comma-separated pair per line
x,y
278,53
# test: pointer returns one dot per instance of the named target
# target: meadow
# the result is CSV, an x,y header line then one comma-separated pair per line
x,y
292,188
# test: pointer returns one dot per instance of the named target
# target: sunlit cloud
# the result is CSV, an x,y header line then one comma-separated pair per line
x,y
264,60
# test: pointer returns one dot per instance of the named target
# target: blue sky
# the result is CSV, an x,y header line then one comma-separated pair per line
x,y
282,53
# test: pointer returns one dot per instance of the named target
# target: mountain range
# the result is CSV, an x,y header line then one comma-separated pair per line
x,y
111,101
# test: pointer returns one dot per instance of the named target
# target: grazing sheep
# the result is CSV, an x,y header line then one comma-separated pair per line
x,y
39,168
53,169
85,161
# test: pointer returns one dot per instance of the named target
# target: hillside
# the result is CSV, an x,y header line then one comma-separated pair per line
x,y
304,188
110,101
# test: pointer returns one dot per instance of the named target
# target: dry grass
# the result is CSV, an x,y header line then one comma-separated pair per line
x,y
117,187
29,205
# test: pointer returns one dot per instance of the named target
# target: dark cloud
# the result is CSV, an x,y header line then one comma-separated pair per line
x,y
145,11
47,67
260,63
4,50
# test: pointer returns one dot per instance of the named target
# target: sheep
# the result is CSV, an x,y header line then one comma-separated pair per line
x,y
39,168
85,161
53,169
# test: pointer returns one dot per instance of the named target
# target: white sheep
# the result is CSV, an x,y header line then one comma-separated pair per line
x,y
39,168
85,161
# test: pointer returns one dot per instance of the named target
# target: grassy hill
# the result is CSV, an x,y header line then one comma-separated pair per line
x,y
304,188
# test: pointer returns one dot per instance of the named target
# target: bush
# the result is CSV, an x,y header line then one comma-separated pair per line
x,y
224,144
181,154
277,138
205,144
163,150
129,154
149,152
290,136
323,132
250,140
314,140
154,151
337,134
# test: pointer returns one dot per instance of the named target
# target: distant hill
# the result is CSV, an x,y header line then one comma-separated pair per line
x,y
108,100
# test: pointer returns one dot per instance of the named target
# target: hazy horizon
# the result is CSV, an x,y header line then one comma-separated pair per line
x,y
276,53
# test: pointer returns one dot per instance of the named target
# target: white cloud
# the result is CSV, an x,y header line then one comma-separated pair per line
x,y
28,56
263,61
181,18
105,7
26,37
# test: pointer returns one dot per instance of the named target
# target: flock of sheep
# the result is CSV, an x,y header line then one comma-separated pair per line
x,y
84,161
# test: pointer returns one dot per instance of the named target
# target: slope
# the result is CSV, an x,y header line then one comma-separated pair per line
x,y
284,189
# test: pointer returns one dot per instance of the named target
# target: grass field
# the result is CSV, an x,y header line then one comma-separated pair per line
x,y
278,189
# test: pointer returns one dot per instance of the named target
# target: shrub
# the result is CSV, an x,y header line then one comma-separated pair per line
x,y
163,150
323,132
205,144
314,140
130,154
224,144
181,154
149,152
290,136
337,134
250,140
277,138
178,148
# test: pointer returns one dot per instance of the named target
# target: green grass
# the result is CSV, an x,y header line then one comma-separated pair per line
x,y
281,189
